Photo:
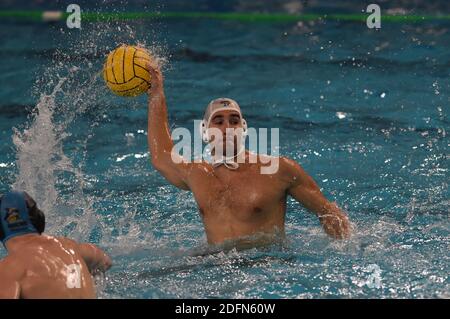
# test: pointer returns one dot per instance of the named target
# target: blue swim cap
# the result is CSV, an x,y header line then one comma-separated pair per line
x,y
14,216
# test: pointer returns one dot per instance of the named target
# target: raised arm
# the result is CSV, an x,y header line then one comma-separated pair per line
x,y
159,140
303,188
9,283
94,257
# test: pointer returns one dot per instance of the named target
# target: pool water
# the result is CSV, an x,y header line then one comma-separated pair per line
x,y
365,112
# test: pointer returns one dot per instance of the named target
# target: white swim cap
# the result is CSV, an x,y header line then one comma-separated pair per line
x,y
217,105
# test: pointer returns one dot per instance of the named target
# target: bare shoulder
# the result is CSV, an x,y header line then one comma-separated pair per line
x,y
263,159
289,167
293,172
79,248
7,262
202,167
268,164
12,266
191,171
65,241
12,271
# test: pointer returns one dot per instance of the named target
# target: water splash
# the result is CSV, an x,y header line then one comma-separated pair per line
x,y
52,147
42,163
36,146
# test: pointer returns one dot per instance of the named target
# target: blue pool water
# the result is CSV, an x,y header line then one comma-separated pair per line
x,y
365,112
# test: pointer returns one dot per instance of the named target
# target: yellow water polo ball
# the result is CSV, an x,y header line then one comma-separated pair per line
x,y
125,71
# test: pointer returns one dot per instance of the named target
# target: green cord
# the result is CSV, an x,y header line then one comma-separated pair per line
x,y
243,17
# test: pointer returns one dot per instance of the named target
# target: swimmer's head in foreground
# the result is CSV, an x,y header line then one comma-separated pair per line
x,y
42,266
19,216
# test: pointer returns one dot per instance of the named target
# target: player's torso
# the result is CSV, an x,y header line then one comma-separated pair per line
x,y
54,269
241,202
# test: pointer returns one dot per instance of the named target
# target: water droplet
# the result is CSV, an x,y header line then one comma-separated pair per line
x,y
341,115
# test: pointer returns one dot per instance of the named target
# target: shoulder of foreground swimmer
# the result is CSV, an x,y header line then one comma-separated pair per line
x,y
12,270
94,257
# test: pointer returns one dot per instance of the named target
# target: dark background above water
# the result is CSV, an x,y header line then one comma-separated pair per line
x,y
286,6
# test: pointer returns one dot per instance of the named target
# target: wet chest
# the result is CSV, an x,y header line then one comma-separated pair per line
x,y
243,192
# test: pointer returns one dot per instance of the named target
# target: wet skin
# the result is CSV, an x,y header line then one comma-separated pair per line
x,y
242,202
40,266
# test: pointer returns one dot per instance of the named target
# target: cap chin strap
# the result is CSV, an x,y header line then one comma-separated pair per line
x,y
229,161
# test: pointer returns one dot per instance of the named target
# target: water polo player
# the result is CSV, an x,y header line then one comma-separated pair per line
x,y
41,266
235,199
